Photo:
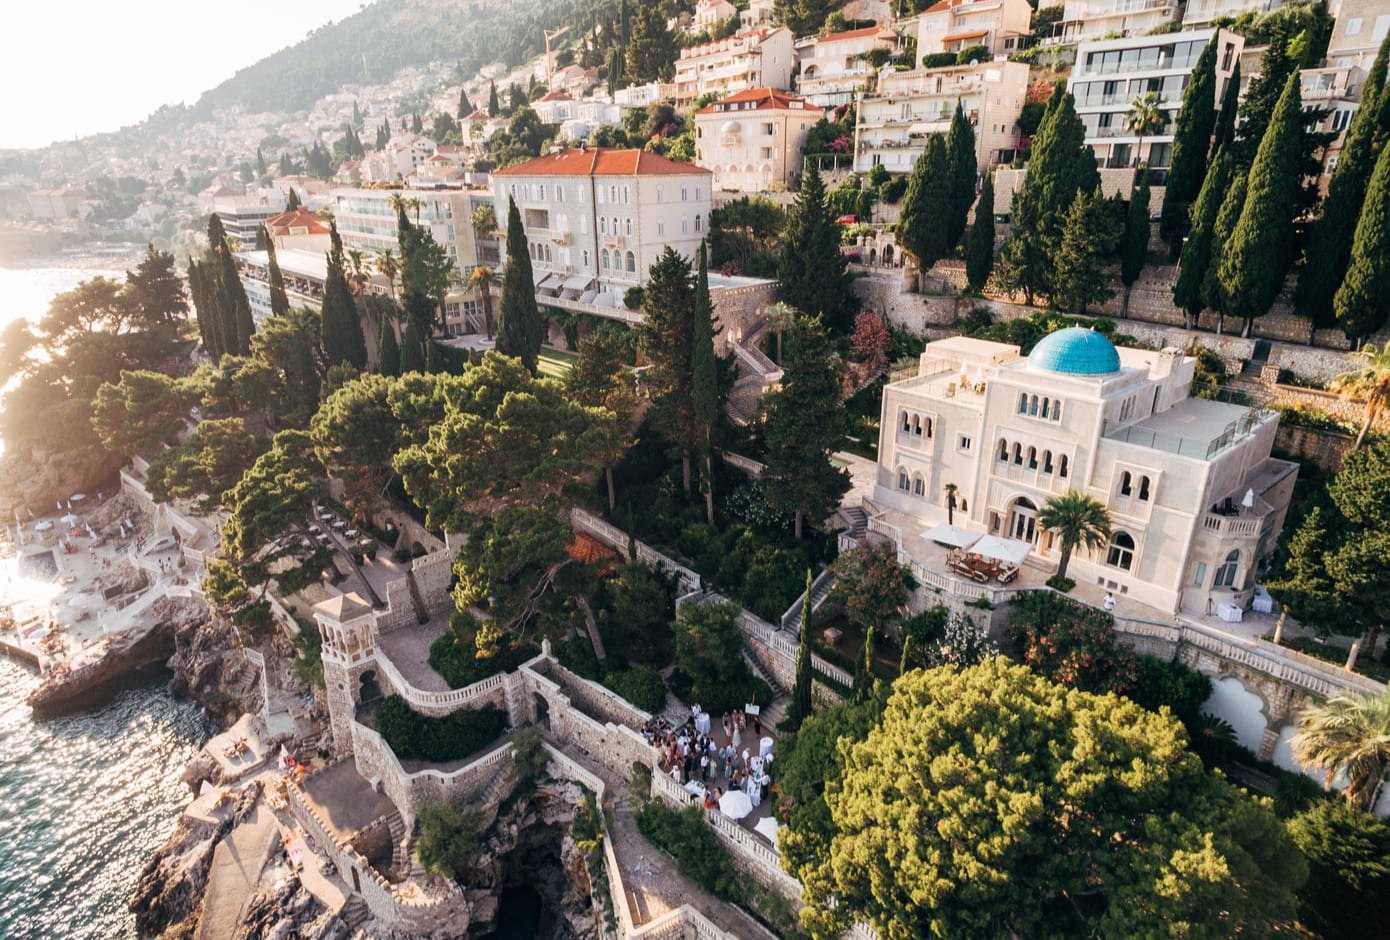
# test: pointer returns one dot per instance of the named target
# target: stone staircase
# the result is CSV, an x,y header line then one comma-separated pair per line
x,y
354,914
400,846
858,520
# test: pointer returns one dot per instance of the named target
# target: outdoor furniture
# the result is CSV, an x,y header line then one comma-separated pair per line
x,y
1008,573
1230,613
1262,602
351,533
764,748
832,636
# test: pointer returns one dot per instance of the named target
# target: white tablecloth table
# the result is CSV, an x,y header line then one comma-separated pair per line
x,y
702,723
765,747
1230,613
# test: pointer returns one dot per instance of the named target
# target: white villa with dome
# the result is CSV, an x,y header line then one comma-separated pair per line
x,y
1195,499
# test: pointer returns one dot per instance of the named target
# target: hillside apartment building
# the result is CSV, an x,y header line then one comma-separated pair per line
x,y
835,66
753,139
753,59
1001,26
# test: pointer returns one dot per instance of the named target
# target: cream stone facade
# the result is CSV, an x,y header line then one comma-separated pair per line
x,y
1093,19
1202,12
833,67
1110,74
753,140
1195,498
596,220
894,124
1335,84
1001,26
752,59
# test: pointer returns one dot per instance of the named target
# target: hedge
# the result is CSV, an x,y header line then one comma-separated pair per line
x,y
437,740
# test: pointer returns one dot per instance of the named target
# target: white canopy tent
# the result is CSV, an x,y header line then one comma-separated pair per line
x,y
767,827
1010,550
951,535
735,804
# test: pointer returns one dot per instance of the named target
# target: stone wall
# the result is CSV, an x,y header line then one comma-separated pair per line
x,y
1323,448
739,309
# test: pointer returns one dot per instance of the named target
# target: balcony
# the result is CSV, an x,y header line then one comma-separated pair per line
x,y
1224,526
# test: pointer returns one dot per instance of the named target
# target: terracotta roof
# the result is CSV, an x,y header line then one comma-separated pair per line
x,y
766,99
941,7
602,162
479,115
953,38
299,218
558,94
852,34
745,40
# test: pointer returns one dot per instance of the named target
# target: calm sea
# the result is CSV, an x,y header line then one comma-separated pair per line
x,y
84,798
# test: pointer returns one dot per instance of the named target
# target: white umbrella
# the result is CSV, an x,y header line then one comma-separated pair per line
x,y
1249,501
951,535
69,519
1010,550
767,827
78,497
735,804
43,526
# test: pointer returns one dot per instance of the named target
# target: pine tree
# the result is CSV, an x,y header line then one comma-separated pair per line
x,y
802,698
1213,293
667,343
1329,243
1137,230
1254,263
924,224
960,151
704,385
1191,137
518,324
979,247
1363,301
279,300
805,424
812,269
388,350
1077,279
1196,251
650,52
1262,97
494,107
342,325
1224,133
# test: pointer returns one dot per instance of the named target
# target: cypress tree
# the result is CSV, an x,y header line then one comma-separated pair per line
x,y
1077,279
1329,243
960,150
1225,131
292,200
342,326
704,386
667,343
262,239
261,167
812,269
924,224
416,125
465,106
412,353
279,300
1363,301
1262,97
979,247
388,350
1196,251
1258,256
286,168
1137,231
494,107
233,309
1191,137
201,296
802,699
518,323
1213,293
864,668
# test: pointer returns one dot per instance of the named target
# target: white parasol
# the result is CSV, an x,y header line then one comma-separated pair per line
x,y
735,804
767,828
1010,550
951,535
69,519
43,526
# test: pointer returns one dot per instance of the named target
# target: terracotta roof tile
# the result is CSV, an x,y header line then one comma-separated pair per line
x,y
766,99
602,162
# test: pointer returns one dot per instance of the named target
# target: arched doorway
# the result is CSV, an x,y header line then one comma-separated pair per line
x,y
1023,521
368,689
542,710
416,549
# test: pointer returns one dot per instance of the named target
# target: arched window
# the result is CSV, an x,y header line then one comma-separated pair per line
x,y
1023,403
963,506
907,421
904,482
615,225
661,228
658,194
1125,488
1226,574
1144,489
603,225
585,256
1003,450
699,226
1056,411
916,425
547,254
631,262
1032,458
626,195
627,226
927,424
603,259
1045,405
685,225
1062,466
1121,553
1018,455
1033,406
1047,461
613,194
919,486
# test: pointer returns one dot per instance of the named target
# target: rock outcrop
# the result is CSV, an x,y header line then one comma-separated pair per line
x,y
209,669
37,476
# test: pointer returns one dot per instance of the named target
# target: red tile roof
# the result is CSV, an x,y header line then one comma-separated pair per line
x,y
479,115
852,34
314,223
601,162
558,94
766,99
942,6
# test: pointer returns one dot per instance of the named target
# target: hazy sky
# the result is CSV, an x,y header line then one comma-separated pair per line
x,y
82,66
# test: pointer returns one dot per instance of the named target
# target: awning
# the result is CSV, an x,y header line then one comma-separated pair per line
x,y
959,36
951,535
923,128
549,282
576,282
1010,550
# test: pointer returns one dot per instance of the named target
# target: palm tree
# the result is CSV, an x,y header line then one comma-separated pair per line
x,y
951,491
416,203
1371,384
388,266
398,203
780,318
357,274
481,278
1144,118
1077,519
1348,734
484,220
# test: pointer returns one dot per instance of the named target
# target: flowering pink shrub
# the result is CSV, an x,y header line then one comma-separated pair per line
x,y
870,339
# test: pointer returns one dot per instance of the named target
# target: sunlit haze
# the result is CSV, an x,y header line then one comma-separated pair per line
x,y
84,67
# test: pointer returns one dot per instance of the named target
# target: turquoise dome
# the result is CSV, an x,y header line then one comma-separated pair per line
x,y
1075,351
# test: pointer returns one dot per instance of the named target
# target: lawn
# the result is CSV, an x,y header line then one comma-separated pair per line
x,y
555,362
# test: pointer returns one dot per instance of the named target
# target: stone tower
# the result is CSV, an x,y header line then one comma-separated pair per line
x,y
347,626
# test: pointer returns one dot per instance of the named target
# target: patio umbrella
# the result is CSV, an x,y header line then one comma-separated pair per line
x,y
69,519
767,828
735,804
43,526
951,535
1010,550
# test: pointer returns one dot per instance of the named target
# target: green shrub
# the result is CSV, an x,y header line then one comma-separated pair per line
x,y
1179,686
640,685
696,849
438,740
936,60
455,656
973,54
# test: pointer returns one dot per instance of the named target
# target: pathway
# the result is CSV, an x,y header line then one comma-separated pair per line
x,y
236,868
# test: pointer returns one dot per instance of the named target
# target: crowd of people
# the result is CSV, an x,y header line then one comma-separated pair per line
x,y
690,754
